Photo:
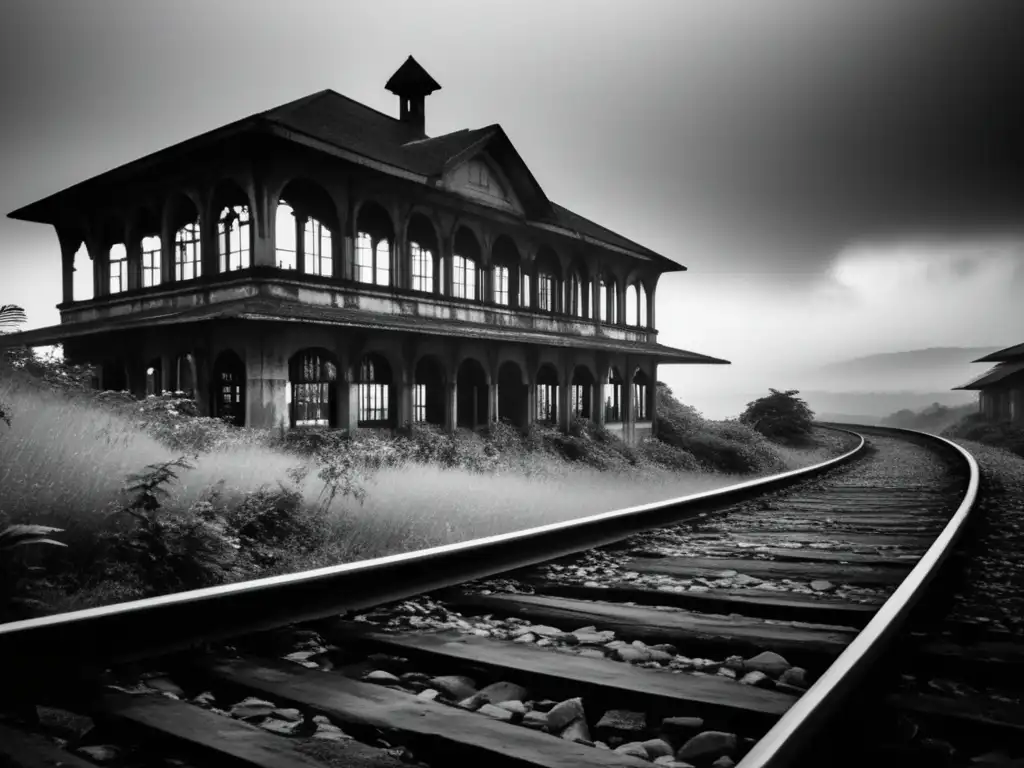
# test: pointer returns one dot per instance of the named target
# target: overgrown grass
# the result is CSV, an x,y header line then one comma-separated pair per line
x,y
244,503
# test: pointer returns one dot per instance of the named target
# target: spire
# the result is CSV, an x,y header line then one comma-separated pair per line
x,y
412,85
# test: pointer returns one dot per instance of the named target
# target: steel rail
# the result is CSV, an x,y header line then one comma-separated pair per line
x,y
46,653
794,730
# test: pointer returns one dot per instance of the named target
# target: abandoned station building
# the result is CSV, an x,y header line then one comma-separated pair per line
x,y
323,263
1001,388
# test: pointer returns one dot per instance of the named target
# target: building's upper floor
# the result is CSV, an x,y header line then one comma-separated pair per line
x,y
327,201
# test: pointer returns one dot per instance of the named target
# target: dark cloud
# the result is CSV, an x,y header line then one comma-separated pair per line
x,y
893,118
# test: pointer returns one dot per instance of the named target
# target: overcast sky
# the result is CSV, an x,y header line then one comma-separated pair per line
x,y
840,178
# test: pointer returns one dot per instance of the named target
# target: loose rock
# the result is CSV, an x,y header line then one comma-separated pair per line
x,y
456,687
769,662
709,745
564,713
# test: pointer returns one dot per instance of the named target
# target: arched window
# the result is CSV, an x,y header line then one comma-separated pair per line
x,y
118,266
422,268
374,391
286,244
316,248
234,236
373,260
577,298
83,286
188,263
613,302
312,375
463,278
524,291
501,285
642,319
632,305
546,291
151,250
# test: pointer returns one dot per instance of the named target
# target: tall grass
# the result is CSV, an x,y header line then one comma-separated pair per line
x,y
67,452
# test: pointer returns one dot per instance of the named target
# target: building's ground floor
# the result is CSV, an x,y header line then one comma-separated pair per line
x,y
1002,404
272,374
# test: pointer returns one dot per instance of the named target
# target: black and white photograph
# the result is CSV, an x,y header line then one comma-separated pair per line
x,y
537,384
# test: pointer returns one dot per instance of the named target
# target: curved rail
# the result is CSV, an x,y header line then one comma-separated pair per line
x,y
34,653
794,730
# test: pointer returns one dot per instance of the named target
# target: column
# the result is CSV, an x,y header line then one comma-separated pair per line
x,y
565,398
597,399
68,248
348,401
628,405
652,398
133,249
263,249
451,407
209,253
492,402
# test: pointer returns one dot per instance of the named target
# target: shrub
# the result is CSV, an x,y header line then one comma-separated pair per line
x,y
999,434
19,579
172,551
780,415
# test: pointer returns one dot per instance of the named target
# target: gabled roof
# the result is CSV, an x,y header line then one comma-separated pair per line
x,y
332,119
1003,355
993,375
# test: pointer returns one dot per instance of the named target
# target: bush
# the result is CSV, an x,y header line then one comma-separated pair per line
x,y
998,434
780,416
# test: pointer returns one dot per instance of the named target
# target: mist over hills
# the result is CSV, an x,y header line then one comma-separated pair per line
x,y
867,389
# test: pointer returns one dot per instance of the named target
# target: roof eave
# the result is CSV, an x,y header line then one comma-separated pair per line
x,y
40,211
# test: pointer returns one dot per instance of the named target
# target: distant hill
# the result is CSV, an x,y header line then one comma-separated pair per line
x,y
829,406
918,370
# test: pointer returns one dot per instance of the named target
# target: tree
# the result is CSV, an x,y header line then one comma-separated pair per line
x,y
779,415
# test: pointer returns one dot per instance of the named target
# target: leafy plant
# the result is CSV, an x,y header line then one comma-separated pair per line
x,y
170,552
779,415
19,579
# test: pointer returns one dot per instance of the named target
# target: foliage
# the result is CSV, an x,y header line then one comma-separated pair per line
x,y
999,434
169,551
780,415
934,418
716,446
19,578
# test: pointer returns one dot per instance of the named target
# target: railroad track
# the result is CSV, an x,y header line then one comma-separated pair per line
x,y
724,628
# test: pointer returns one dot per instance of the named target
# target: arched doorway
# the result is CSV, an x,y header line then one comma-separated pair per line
x,y
471,395
229,388
582,393
512,394
428,392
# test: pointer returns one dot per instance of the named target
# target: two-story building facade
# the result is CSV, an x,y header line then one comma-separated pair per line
x,y
322,263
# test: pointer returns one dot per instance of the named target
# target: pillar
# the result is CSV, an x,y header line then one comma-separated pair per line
x,y
69,245
492,402
133,250
266,385
451,407
263,250
209,253
347,417
628,404
565,398
597,399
